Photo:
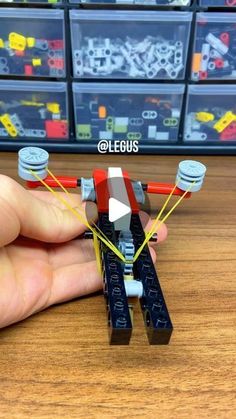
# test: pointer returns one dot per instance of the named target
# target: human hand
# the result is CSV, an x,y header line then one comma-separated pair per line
x,y
41,262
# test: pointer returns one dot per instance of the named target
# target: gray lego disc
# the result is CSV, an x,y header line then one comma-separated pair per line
x,y
190,171
33,155
32,158
192,168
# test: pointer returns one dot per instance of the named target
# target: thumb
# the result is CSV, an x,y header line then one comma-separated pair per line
x,y
25,214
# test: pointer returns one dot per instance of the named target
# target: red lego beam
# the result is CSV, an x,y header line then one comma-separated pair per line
x,y
165,189
66,181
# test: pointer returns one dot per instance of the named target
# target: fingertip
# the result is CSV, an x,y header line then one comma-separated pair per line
x,y
162,233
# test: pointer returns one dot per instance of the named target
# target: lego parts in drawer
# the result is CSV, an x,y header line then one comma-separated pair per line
x,y
36,110
32,42
135,2
211,113
127,111
124,44
218,3
215,47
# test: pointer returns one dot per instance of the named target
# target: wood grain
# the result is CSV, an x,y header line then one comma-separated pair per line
x,y
57,364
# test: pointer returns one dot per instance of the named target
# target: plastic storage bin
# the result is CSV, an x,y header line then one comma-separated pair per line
x,y
214,47
35,110
134,2
124,44
127,111
217,3
211,114
32,42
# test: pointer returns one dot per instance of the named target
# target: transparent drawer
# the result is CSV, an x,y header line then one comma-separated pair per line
x,y
32,42
214,47
36,110
211,114
135,2
127,111
128,45
218,3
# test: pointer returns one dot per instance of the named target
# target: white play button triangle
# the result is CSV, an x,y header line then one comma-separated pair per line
x,y
117,210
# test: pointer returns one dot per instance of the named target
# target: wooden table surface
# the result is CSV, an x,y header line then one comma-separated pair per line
x,y
58,364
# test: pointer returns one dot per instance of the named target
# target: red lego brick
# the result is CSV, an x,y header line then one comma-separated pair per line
x,y
28,70
101,188
56,129
225,38
203,75
56,63
219,63
229,134
56,44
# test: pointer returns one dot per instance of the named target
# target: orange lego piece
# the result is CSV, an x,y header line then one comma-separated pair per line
x,y
102,112
196,65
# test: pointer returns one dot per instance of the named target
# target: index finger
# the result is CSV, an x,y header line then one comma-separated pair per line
x,y
23,213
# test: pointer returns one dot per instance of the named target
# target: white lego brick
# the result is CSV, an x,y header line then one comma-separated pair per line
x,y
105,135
163,136
152,129
118,192
121,121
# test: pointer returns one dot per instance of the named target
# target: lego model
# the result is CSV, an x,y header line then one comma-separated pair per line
x,y
119,239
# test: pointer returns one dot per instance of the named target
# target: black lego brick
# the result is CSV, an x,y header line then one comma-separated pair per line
x,y
155,313
119,321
